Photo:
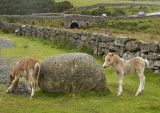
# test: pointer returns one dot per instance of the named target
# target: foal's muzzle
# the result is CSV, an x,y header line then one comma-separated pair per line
x,y
105,66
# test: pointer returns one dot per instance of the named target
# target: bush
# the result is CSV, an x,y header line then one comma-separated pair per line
x,y
118,12
12,19
26,46
33,23
84,12
7,29
144,26
98,12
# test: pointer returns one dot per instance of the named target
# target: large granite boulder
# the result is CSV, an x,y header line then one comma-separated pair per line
x,y
72,72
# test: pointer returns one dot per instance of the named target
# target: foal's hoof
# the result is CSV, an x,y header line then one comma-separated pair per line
x,y
31,97
136,94
118,94
8,91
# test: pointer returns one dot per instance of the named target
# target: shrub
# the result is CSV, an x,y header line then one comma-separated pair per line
x,y
144,26
84,12
33,23
26,46
149,30
85,48
98,12
129,29
7,29
12,19
118,12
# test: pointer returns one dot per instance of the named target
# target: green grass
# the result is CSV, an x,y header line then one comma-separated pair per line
x,y
55,23
126,10
147,25
78,3
100,102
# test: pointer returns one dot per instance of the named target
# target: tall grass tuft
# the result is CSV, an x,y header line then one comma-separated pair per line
x,y
7,30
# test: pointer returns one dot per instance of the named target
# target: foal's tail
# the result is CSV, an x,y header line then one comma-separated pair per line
x,y
36,71
146,61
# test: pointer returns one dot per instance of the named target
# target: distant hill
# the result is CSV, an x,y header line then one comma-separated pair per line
x,y
23,7
78,3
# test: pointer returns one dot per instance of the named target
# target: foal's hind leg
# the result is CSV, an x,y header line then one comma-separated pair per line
x,y
142,82
27,81
120,85
31,76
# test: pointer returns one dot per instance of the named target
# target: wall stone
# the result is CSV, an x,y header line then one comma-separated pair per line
x,y
100,44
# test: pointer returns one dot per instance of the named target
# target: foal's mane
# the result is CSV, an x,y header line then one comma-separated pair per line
x,y
117,58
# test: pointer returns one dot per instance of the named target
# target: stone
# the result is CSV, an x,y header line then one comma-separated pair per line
x,y
149,47
132,46
113,48
153,56
101,44
154,46
72,72
157,63
105,38
121,51
129,55
157,71
150,64
121,41
144,47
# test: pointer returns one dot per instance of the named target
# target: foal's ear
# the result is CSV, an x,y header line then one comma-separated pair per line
x,y
10,76
112,54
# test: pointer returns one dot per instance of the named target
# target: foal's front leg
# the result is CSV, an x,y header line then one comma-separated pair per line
x,y
142,82
29,89
120,85
12,84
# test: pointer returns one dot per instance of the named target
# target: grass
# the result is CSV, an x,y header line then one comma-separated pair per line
x,y
146,37
79,3
125,10
55,23
100,102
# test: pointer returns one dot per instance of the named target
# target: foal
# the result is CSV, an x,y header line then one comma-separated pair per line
x,y
125,67
30,68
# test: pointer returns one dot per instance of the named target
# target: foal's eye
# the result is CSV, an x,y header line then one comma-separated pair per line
x,y
108,59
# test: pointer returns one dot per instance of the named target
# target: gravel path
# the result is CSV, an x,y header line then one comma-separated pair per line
x,y
6,66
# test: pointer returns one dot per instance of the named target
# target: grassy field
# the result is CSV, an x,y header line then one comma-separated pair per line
x,y
56,23
78,3
100,102
118,10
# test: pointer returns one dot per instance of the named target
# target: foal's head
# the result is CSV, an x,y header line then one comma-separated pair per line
x,y
11,79
109,59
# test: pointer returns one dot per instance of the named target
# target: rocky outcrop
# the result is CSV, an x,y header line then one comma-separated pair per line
x,y
72,72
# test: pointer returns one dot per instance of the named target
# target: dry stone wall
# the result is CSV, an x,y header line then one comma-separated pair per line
x,y
100,44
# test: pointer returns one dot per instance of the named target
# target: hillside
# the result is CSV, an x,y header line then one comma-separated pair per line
x,y
78,3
